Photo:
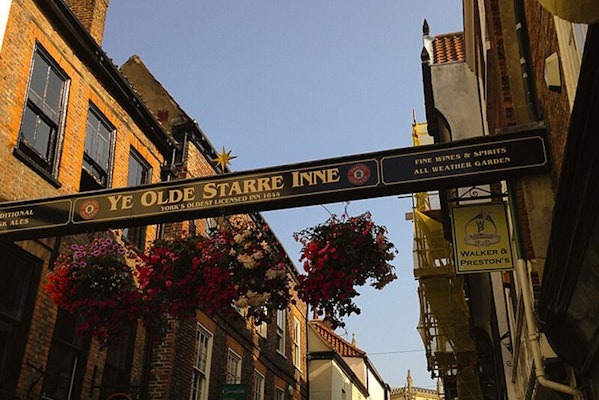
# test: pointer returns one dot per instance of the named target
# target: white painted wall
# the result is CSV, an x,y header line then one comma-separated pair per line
x,y
376,391
456,95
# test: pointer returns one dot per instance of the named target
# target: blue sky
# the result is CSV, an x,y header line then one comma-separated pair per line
x,y
278,82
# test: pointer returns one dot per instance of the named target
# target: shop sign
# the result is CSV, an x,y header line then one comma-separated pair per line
x,y
384,173
481,238
234,392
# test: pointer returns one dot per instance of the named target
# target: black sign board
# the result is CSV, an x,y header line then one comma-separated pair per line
x,y
407,170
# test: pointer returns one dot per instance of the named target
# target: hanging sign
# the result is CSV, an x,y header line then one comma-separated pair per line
x,y
390,172
481,239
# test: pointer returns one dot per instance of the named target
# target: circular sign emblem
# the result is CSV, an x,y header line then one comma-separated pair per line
x,y
89,209
358,174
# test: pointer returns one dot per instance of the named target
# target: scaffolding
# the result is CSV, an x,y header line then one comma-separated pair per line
x,y
444,315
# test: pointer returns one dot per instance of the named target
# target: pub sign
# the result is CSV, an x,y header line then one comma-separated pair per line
x,y
481,239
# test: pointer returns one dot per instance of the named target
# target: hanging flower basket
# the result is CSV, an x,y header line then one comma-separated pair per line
x,y
339,256
226,269
259,270
94,281
179,276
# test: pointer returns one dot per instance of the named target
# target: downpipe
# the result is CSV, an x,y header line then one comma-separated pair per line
x,y
533,337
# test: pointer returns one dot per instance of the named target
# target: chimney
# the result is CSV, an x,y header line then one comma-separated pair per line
x,y
92,14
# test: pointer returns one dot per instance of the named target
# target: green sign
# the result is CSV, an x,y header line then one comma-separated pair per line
x,y
234,392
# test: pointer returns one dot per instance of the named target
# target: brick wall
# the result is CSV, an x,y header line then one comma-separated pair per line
x,y
554,105
27,26
92,14
171,361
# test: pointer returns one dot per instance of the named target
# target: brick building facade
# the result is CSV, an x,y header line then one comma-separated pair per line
x,y
73,122
532,71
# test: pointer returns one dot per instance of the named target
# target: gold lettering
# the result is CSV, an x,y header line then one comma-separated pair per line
x,y
189,194
126,202
114,201
149,198
332,175
420,161
249,186
235,189
246,186
312,178
263,184
277,182
209,190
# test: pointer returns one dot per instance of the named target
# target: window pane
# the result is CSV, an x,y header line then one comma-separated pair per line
x,y
13,289
279,394
43,112
90,133
281,331
297,354
258,386
28,126
53,95
201,374
117,369
39,76
104,136
66,361
18,289
60,372
138,170
139,173
98,139
233,368
42,139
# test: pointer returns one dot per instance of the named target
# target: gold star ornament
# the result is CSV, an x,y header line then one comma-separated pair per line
x,y
223,159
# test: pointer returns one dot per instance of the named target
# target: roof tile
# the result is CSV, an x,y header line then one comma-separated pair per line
x,y
340,345
448,48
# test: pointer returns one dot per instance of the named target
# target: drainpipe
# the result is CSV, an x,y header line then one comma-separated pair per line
x,y
533,336
531,326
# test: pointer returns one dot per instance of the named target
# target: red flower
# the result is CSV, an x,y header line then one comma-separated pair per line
x,y
234,267
94,280
339,255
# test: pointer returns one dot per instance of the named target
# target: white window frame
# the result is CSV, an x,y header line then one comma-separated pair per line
x,y
262,329
233,370
201,368
279,393
281,331
297,344
258,385
571,39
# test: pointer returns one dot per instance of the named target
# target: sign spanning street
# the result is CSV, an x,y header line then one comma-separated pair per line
x,y
391,172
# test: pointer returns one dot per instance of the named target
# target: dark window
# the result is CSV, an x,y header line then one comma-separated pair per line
x,y
66,362
139,173
117,369
20,273
44,110
97,156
